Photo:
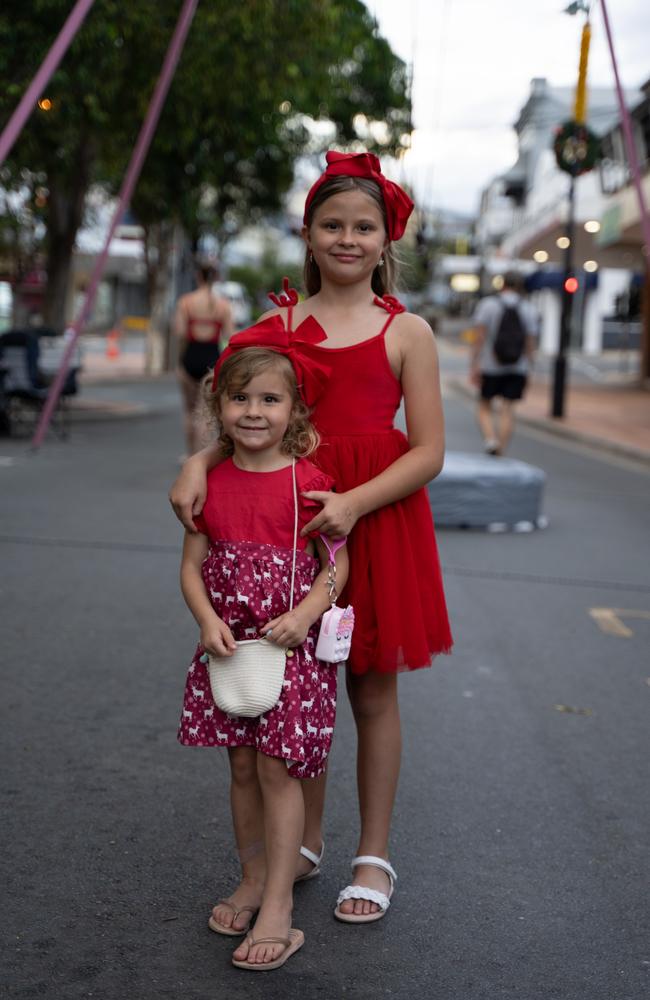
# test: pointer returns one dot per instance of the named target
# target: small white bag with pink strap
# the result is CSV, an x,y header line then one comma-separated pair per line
x,y
335,636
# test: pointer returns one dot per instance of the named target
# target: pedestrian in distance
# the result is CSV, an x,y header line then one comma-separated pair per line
x,y
203,323
377,354
237,571
505,327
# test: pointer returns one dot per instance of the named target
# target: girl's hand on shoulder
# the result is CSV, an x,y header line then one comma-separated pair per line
x,y
287,630
217,639
337,518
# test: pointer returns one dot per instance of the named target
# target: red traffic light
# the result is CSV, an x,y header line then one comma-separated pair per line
x,y
571,285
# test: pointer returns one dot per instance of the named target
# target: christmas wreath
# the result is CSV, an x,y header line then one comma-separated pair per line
x,y
576,147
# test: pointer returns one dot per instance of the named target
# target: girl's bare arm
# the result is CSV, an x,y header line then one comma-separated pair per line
x,y
190,487
216,638
180,319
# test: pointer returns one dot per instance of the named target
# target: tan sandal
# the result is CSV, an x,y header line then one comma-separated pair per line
x,y
364,892
231,931
292,943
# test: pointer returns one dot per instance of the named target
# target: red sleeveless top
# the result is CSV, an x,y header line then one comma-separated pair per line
x,y
395,583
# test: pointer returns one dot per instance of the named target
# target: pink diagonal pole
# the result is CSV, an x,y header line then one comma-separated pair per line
x,y
629,141
27,104
128,184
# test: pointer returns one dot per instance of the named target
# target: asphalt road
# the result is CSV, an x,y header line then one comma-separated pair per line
x,y
521,829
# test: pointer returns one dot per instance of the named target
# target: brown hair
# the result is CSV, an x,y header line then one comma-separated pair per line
x,y
383,278
514,281
238,369
206,272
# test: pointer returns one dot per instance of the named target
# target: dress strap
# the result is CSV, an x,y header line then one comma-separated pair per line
x,y
392,306
288,298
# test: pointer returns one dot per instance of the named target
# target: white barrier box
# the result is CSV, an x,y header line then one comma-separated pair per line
x,y
481,491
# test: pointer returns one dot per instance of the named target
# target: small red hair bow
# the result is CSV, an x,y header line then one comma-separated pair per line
x,y
287,297
398,204
271,334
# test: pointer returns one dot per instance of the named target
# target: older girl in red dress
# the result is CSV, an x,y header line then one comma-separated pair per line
x,y
377,354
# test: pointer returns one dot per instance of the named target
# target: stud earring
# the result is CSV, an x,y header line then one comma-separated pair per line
x,y
311,257
381,261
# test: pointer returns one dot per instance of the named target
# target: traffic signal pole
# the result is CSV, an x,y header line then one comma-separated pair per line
x,y
560,364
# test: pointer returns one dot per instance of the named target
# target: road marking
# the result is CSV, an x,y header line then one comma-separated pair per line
x,y
609,620
571,710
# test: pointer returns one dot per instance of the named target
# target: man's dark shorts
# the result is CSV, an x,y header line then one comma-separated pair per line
x,y
509,386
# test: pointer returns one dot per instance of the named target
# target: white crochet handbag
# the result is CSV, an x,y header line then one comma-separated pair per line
x,y
249,682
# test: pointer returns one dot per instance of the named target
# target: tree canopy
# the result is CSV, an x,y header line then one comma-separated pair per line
x,y
251,78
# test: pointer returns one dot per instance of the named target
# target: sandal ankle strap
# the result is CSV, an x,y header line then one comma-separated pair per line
x,y
370,859
314,858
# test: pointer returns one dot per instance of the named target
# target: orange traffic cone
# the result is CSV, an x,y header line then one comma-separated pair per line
x,y
112,344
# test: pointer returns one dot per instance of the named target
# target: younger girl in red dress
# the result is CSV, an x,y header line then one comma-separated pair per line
x,y
235,578
377,355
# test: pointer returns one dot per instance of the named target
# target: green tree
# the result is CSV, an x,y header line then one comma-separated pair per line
x,y
236,118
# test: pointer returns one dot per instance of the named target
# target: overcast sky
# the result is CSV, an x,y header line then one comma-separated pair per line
x,y
473,63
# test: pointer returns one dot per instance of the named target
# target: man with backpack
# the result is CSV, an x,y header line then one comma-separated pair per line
x,y
506,329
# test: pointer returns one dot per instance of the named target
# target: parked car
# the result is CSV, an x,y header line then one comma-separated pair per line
x,y
236,294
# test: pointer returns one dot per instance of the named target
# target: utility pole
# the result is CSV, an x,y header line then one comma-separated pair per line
x,y
569,285
576,151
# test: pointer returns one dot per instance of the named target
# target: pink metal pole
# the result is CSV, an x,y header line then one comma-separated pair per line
x,y
629,141
14,126
128,184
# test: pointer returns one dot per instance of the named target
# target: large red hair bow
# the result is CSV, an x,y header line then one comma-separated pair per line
x,y
271,334
398,204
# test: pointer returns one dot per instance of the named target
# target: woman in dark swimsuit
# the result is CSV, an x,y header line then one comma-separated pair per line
x,y
203,322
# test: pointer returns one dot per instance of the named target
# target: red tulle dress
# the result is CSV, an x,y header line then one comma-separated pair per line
x,y
395,583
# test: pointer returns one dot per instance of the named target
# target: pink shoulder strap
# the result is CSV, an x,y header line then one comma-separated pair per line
x,y
287,298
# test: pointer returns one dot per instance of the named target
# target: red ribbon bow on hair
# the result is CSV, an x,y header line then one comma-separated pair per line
x,y
398,204
271,334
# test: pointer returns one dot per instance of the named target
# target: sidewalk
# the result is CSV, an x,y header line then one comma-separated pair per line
x,y
615,417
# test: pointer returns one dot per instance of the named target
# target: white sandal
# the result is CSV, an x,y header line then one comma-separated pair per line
x,y
315,860
364,892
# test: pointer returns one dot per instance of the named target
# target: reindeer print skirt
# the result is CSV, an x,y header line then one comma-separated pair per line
x,y
248,584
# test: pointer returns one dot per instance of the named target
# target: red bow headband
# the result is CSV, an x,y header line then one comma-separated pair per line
x,y
271,334
398,204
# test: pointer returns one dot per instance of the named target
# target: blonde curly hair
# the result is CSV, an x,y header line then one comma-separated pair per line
x,y
301,438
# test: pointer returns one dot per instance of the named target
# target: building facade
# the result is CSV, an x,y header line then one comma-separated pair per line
x,y
525,212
